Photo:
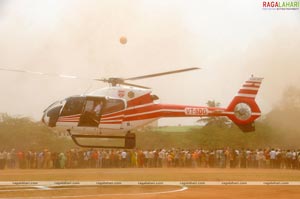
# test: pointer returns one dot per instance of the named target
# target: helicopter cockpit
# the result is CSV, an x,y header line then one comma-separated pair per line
x,y
83,111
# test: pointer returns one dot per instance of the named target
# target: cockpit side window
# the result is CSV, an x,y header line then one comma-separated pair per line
x,y
113,105
73,106
89,105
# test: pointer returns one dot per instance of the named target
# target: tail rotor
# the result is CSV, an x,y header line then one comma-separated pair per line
x,y
243,109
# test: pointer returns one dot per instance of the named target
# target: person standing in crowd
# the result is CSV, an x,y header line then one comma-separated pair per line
x,y
105,158
21,159
112,157
232,159
243,162
55,161
47,159
100,159
62,160
134,159
28,159
2,160
288,159
170,158
34,159
86,157
218,158
140,159
176,158
182,158
128,158
294,159
94,158
8,160
203,157
188,157
146,158
160,158
261,158
68,159
272,158
195,159
150,159
223,159
13,155
278,159
267,158
211,159
155,158
123,159
227,157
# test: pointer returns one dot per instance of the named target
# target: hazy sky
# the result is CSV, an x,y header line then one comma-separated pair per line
x,y
229,40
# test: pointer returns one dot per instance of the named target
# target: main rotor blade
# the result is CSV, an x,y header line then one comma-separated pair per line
x,y
160,74
102,80
40,73
134,85
20,71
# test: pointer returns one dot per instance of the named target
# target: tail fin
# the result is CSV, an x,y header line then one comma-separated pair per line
x,y
243,109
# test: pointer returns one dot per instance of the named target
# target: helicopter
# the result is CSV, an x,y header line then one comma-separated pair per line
x,y
113,112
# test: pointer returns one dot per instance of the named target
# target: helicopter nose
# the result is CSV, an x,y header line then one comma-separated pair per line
x,y
44,120
51,116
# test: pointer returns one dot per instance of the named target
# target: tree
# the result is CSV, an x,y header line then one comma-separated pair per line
x,y
219,121
23,133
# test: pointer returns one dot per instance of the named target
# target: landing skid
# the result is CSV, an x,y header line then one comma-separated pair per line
x,y
129,140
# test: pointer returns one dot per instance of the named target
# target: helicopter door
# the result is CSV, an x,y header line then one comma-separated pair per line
x,y
91,113
112,114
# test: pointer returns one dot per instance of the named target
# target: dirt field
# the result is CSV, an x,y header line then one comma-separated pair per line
x,y
153,191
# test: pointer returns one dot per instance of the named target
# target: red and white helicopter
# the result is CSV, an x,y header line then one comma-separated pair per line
x,y
113,112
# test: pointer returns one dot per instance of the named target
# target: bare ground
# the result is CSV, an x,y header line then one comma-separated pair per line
x,y
157,174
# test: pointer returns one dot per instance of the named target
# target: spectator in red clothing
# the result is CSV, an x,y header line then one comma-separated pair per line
x,y
21,159
94,158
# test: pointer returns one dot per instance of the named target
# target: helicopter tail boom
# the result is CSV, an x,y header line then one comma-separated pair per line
x,y
243,109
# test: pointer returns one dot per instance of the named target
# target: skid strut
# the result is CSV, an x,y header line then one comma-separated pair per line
x,y
129,140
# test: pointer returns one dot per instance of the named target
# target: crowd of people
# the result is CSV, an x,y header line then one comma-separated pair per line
x,y
98,158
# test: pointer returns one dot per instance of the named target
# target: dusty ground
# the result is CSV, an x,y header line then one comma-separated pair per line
x,y
145,192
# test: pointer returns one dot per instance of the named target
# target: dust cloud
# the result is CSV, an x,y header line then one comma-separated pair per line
x,y
277,58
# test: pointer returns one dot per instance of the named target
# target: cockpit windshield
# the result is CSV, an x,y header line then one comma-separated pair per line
x,y
73,106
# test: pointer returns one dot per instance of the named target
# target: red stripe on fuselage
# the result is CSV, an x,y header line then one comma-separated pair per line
x,y
71,116
159,110
246,91
251,86
144,99
114,118
110,122
154,115
170,110
253,82
68,121
113,114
